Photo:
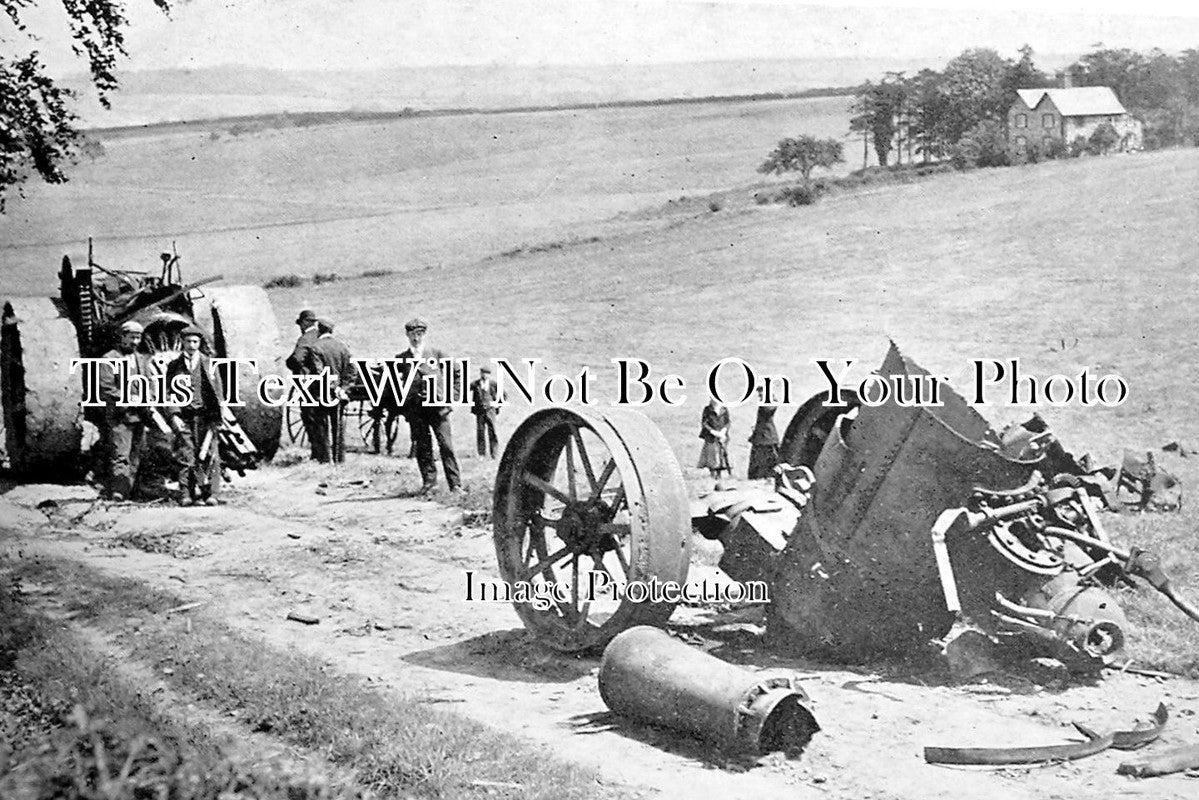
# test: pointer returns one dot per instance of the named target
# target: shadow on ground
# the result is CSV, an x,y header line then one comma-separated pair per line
x,y
511,655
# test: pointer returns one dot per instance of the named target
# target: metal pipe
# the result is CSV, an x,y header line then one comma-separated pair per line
x,y
1143,565
649,676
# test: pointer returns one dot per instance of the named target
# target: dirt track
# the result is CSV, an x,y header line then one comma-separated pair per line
x,y
386,577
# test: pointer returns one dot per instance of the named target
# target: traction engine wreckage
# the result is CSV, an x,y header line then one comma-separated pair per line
x,y
44,432
886,526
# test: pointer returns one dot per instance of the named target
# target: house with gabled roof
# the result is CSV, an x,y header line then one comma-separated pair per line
x,y
1038,117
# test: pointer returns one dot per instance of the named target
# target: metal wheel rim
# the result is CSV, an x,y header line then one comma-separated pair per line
x,y
620,495
810,428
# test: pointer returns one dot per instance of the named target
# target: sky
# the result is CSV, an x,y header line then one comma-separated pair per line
x,y
364,34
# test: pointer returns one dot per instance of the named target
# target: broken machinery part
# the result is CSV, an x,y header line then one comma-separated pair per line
x,y
649,676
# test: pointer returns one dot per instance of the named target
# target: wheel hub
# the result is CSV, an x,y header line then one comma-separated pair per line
x,y
582,528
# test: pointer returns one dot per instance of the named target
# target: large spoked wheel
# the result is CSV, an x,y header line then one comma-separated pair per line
x,y
586,501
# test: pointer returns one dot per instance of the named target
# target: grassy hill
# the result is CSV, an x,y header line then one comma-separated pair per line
x,y
550,236
996,264
403,194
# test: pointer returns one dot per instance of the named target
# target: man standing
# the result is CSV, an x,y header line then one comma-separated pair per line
x,y
297,362
485,400
196,424
329,355
123,427
426,421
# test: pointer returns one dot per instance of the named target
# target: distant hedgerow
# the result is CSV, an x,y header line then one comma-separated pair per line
x,y
284,282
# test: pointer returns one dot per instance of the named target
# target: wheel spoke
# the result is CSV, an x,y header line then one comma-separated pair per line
x,y
577,434
616,530
599,562
544,521
574,585
624,562
618,499
537,482
582,612
545,564
605,474
572,488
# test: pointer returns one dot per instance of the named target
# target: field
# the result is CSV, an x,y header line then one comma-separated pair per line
x,y
560,242
405,195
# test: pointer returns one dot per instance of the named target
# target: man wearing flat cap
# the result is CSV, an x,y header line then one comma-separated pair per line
x,y
122,426
484,404
330,355
426,421
197,423
297,363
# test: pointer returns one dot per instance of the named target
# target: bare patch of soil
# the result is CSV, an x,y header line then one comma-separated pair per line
x,y
384,578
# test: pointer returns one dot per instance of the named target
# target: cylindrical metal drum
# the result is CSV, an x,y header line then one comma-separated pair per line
x,y
649,676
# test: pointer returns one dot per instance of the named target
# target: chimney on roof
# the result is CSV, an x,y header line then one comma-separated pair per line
x,y
1067,79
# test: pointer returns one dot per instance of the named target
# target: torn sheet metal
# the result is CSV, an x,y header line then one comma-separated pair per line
x,y
1093,743
858,577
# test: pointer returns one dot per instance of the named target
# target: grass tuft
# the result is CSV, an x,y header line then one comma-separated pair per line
x,y
392,744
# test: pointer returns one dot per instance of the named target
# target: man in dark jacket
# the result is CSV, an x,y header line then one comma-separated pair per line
x,y
329,355
296,362
484,404
197,423
427,421
123,426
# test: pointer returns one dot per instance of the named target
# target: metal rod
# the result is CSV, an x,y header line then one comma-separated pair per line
x,y
162,301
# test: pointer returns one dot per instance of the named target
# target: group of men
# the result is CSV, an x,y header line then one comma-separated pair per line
x,y
192,427
317,351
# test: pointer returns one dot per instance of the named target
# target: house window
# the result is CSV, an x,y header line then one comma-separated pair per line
x,y
1021,142
1021,120
1046,120
1048,142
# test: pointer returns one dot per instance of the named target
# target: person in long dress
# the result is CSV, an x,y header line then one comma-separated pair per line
x,y
763,442
714,430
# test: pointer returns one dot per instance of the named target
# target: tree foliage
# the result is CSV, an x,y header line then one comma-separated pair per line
x,y
803,154
879,109
1103,139
928,113
1162,90
37,126
961,111
984,145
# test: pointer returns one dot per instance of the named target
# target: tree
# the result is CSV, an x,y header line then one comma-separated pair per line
x,y
37,126
1103,139
930,110
878,107
860,121
803,154
974,85
1125,71
1024,74
984,145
